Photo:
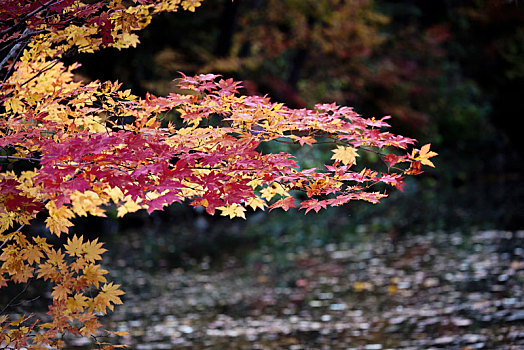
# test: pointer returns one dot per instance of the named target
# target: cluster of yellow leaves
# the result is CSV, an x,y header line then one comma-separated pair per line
x,y
15,333
89,202
272,190
233,210
125,19
80,289
58,220
20,215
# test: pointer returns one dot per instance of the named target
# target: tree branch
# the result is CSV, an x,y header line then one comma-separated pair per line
x,y
21,158
30,79
31,14
16,48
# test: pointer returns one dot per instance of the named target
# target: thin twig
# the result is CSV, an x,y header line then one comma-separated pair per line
x,y
16,297
31,79
9,238
22,38
14,50
21,158
29,15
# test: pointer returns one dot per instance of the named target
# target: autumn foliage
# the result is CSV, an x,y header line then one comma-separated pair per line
x,y
70,148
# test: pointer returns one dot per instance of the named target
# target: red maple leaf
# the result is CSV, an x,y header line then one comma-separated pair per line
x,y
105,27
284,203
314,204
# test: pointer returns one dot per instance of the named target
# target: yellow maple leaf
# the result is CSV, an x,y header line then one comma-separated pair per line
x,y
42,243
129,206
94,274
14,105
60,292
48,271
233,210
7,220
55,257
275,188
90,327
115,193
191,5
23,274
126,40
345,154
58,220
423,155
78,264
77,303
256,202
32,253
75,246
255,183
87,202
109,295
92,250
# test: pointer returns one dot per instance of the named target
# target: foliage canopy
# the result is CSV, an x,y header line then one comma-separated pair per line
x,y
71,148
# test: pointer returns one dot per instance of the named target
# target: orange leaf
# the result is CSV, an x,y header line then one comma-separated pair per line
x,y
60,292
108,295
32,254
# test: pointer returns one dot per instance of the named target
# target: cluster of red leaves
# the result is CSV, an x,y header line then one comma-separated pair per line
x,y
25,18
140,160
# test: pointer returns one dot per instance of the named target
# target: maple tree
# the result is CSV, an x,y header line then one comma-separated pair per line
x,y
70,148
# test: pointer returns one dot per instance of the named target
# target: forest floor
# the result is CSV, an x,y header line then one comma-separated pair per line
x,y
436,291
